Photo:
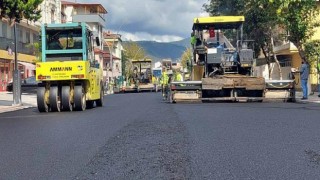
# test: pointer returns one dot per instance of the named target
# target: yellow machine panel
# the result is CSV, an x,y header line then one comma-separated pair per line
x,y
65,70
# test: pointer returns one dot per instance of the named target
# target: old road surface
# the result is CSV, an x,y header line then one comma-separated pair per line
x,y
137,136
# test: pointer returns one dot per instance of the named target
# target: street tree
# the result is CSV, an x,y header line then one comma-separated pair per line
x,y
35,48
262,25
299,19
186,59
17,10
225,7
133,51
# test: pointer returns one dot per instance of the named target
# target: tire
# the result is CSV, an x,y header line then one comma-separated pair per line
x,y
99,102
79,98
66,98
54,99
89,104
41,100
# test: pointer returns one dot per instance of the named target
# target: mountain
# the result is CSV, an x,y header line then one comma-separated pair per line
x,y
160,50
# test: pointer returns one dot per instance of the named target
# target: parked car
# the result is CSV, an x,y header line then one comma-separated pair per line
x,y
28,85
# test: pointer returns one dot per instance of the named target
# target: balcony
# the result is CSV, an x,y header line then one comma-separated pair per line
x,y
22,47
91,18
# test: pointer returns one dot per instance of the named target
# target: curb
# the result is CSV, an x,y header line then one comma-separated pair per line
x,y
4,109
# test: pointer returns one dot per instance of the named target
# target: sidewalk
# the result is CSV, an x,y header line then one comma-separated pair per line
x,y
312,98
6,100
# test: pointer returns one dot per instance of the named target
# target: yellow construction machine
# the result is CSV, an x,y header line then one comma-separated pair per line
x,y
221,66
142,76
70,78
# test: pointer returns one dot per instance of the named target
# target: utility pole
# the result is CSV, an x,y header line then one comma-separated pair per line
x,y
16,72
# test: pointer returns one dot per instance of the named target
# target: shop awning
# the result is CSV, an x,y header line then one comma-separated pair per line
x,y
28,65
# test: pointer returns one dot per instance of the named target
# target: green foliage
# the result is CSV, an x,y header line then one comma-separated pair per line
x,y
312,50
36,51
260,20
186,58
123,63
15,10
266,19
225,7
134,51
298,17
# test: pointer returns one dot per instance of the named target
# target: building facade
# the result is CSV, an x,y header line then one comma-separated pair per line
x,y
113,45
93,15
27,35
50,11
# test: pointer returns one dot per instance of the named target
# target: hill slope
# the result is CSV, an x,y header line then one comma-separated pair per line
x,y
159,50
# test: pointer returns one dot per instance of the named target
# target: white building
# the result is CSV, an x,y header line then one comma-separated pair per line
x,y
113,45
50,11
92,14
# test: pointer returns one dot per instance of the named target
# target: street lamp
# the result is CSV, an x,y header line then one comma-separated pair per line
x,y
16,72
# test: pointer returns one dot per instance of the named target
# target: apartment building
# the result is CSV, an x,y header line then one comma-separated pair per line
x,y
113,45
50,11
93,15
27,34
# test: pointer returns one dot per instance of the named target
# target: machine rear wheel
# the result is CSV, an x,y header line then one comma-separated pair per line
x,y
79,98
99,102
54,99
89,104
66,98
41,100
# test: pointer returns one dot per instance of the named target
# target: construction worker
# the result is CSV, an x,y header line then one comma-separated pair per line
x,y
164,83
154,82
178,77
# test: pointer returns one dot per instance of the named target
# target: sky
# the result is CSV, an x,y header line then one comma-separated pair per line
x,y
152,20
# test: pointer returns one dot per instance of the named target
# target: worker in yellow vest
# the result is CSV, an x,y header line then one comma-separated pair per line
x,y
178,77
154,82
164,84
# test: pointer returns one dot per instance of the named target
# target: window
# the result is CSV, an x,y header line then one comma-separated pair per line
x,y
4,29
117,66
93,11
12,32
52,15
19,33
35,38
64,39
28,37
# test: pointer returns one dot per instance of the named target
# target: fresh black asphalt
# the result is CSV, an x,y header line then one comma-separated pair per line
x,y
138,136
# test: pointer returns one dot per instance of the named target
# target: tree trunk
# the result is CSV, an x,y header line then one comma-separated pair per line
x,y
275,57
300,50
267,59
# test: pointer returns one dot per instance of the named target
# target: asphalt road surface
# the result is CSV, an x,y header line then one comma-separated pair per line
x,y
137,136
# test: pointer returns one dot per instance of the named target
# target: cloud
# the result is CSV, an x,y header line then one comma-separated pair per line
x,y
144,36
159,20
